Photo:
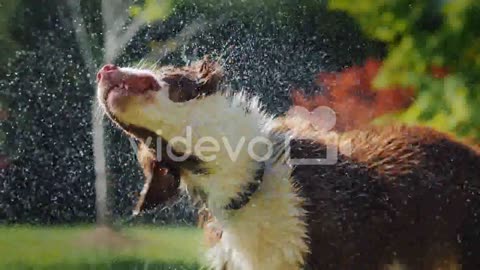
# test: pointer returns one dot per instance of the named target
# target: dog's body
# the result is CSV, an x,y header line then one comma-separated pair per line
x,y
406,195
401,194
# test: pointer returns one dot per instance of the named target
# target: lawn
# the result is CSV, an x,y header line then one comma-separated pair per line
x,y
87,247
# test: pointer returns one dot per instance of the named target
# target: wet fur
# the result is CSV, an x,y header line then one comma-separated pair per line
x,y
405,194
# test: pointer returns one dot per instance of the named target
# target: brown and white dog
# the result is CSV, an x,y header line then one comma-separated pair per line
x,y
408,196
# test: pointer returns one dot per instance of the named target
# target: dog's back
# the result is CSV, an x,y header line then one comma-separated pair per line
x,y
402,194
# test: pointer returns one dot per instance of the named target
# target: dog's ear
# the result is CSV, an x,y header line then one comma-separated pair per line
x,y
161,182
209,75
200,79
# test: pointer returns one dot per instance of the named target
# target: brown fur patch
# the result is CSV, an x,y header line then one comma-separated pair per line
x,y
199,79
406,193
212,231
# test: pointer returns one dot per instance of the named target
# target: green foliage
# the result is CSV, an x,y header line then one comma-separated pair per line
x,y
422,36
152,10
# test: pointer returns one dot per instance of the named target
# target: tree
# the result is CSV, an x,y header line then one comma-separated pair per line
x,y
433,47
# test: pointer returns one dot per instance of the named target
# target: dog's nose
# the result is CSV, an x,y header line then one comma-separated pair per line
x,y
109,68
134,82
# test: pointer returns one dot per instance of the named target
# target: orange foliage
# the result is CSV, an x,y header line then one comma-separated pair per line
x,y
350,94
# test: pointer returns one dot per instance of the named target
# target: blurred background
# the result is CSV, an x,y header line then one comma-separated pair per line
x,y
68,179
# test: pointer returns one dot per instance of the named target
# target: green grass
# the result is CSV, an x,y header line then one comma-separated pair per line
x,y
143,248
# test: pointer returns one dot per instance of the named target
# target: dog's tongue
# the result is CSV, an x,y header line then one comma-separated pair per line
x,y
112,76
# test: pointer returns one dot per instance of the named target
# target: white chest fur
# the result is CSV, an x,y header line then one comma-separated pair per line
x,y
267,233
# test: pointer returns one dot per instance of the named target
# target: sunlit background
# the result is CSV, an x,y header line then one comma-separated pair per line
x,y
69,180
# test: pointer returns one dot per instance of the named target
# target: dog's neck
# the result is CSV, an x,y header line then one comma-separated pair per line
x,y
241,130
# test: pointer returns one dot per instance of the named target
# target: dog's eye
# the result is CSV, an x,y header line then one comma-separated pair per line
x,y
181,88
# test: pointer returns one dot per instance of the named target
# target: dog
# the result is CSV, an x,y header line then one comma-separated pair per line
x,y
288,196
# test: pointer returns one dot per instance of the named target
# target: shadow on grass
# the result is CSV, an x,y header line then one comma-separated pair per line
x,y
113,265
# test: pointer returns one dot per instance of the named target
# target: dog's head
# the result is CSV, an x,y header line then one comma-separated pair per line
x,y
150,105
156,100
